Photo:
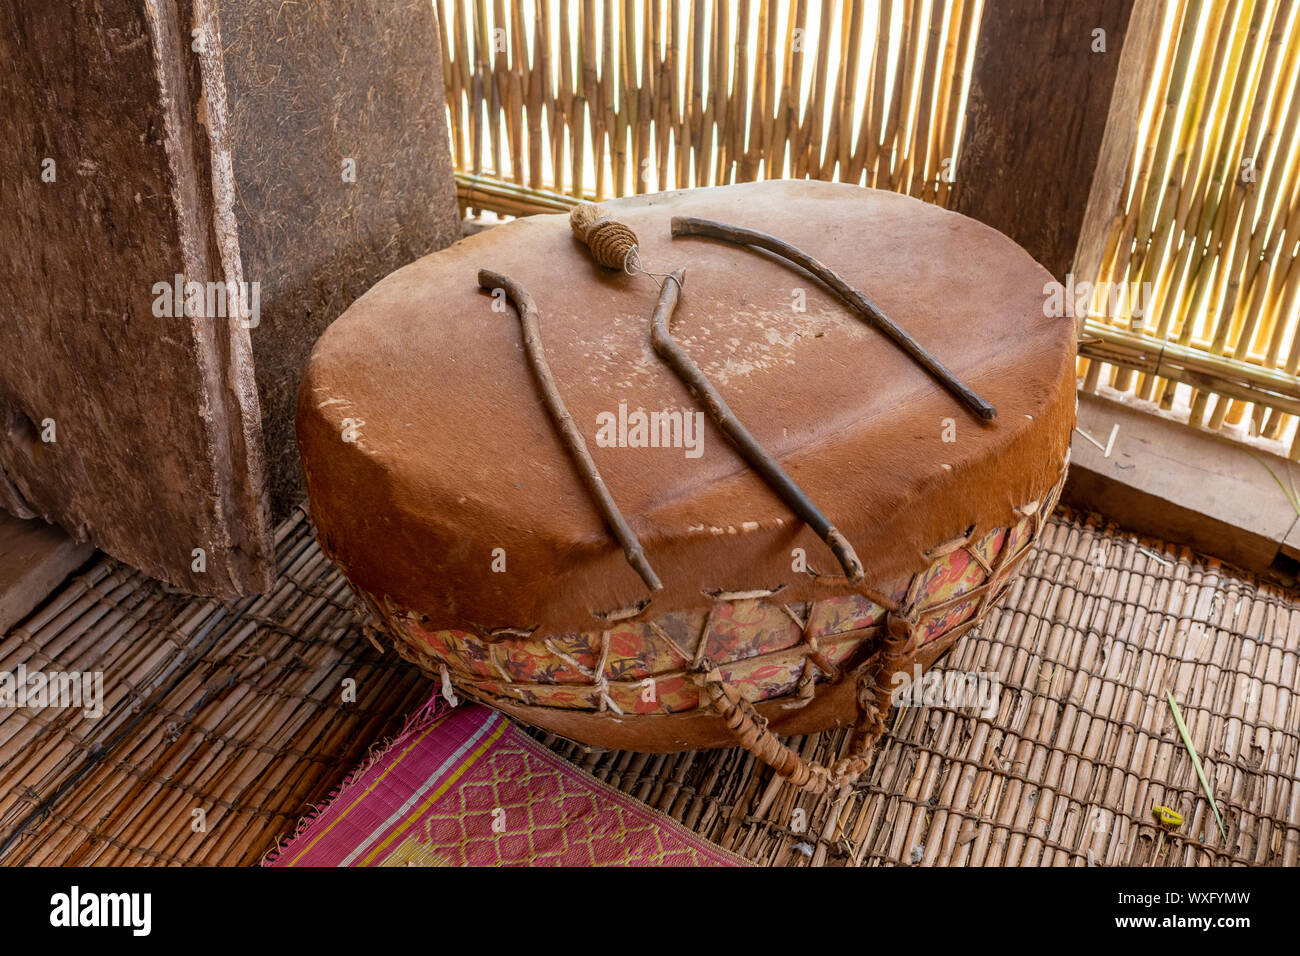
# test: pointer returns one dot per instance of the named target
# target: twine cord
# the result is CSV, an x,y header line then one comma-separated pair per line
x,y
448,692
612,244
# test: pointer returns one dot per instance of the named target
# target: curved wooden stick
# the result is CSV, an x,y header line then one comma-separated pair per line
x,y
851,297
780,482
569,433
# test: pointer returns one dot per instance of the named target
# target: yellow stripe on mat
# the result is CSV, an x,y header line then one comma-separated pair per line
x,y
492,738
370,789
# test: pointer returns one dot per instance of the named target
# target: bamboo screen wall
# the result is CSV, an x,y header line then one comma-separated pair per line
x,y
550,100
1211,222
600,99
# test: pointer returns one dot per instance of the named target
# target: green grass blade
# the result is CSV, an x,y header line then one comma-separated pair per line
x,y
1196,761
1291,496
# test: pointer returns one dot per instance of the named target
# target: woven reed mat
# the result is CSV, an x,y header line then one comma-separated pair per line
x,y
237,710
1097,628
464,786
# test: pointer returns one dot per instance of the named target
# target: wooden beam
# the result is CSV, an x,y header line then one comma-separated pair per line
x,y
35,558
1104,212
298,150
1182,484
1036,116
341,165
128,424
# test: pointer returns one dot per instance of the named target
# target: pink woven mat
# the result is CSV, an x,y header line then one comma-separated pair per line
x,y
468,788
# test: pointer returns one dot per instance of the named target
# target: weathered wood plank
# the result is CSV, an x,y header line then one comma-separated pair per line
x,y
309,88
299,149
35,558
1105,207
1035,118
1180,484
134,429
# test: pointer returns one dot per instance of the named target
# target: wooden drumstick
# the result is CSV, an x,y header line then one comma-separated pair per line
x,y
680,362
851,297
568,431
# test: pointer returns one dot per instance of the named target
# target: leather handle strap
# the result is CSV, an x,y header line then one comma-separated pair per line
x,y
875,693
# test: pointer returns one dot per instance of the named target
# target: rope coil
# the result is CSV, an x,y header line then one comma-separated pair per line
x,y
613,244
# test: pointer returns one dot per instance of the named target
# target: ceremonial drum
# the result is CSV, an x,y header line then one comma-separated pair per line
x,y
441,485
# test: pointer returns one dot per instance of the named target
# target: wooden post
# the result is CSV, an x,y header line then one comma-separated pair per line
x,y
35,558
1104,212
1040,96
342,165
152,149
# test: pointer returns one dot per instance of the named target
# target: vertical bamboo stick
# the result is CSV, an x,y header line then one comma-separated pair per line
x,y
797,124
849,90
698,125
495,82
944,93
760,119
810,160
646,104
831,141
737,111
538,81
879,78
685,113
677,75
629,105
890,159
609,114
862,149
580,109
918,160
